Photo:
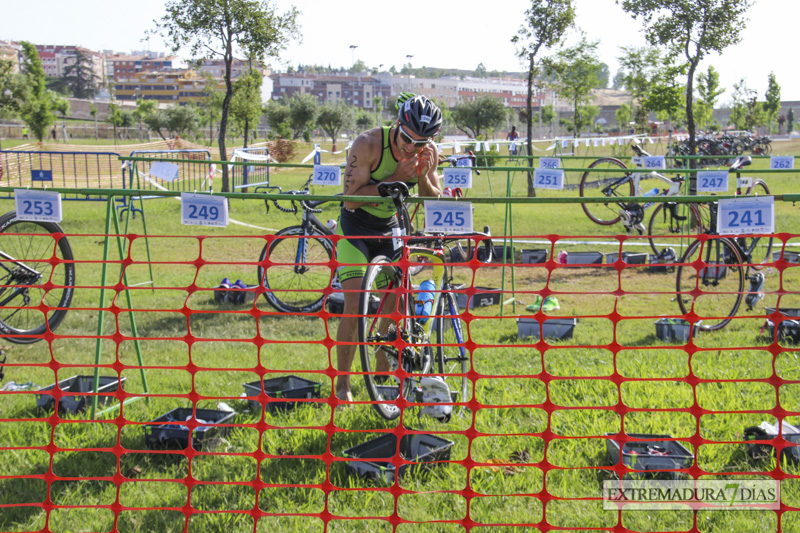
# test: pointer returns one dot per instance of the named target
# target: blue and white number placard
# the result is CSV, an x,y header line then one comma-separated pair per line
x,y
549,162
740,216
712,181
654,162
448,217
327,175
464,162
204,210
37,205
781,162
548,178
457,177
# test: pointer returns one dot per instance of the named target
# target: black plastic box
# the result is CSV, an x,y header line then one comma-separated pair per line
x,y
168,430
660,266
788,331
628,258
668,329
790,257
553,328
483,297
650,453
335,303
80,385
282,387
791,453
501,254
584,258
422,449
535,256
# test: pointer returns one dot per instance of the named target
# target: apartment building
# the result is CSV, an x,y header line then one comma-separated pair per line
x,y
358,91
127,66
9,51
56,59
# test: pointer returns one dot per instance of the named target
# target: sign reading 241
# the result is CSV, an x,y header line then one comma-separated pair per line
x,y
749,215
448,217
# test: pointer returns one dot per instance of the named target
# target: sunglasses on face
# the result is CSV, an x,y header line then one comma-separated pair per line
x,y
410,140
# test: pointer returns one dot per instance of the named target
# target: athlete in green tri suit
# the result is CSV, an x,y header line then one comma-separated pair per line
x,y
402,152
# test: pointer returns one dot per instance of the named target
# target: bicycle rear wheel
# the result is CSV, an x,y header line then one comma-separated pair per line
x,y
33,246
451,356
605,181
377,333
714,268
758,249
298,271
663,224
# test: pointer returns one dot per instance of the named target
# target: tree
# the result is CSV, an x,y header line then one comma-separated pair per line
x,y
144,108
639,66
482,113
666,97
746,112
604,75
218,28
576,69
79,77
303,110
278,118
119,118
480,71
773,103
546,21
623,116
157,122
377,101
691,29
333,118
245,106
619,80
210,109
708,90
790,120
36,102
181,119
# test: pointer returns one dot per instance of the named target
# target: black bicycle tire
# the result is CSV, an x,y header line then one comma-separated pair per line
x,y
30,335
387,411
734,263
694,214
273,297
453,320
586,179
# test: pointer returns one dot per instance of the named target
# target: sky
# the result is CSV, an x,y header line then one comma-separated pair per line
x,y
433,33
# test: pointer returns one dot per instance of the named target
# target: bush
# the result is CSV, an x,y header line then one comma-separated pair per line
x,y
282,150
480,159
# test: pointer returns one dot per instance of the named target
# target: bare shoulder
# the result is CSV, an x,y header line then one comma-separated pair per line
x,y
368,145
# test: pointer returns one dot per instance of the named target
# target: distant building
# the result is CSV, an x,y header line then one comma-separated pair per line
x,y
124,67
9,51
56,59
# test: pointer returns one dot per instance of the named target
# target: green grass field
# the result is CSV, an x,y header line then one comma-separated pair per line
x,y
532,437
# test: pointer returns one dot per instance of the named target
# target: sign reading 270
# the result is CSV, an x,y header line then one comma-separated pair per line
x,y
448,217
739,216
327,175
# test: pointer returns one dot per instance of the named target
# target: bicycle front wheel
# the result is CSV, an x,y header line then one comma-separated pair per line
x,y
604,180
31,248
452,359
663,224
713,271
298,270
377,332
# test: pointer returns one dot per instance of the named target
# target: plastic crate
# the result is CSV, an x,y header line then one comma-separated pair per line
x,y
712,272
335,303
502,254
790,257
168,430
786,311
628,258
791,453
553,328
420,448
282,387
673,329
535,256
483,297
81,385
584,258
788,331
650,452
660,266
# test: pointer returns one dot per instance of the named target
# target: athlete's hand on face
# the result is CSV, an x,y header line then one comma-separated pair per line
x,y
426,159
407,168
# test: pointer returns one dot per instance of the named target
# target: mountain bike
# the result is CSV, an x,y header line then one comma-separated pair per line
x,y
714,290
299,257
36,269
397,355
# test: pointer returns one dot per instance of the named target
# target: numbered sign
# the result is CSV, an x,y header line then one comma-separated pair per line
x,y
448,217
654,162
41,175
549,162
740,216
548,178
712,181
744,183
457,177
164,170
637,161
327,175
32,204
464,162
781,162
204,210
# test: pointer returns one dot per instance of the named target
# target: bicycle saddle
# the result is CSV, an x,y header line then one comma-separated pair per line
x,y
739,162
394,189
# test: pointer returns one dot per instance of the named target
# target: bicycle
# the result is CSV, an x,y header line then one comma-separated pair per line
x,y
300,257
727,262
397,355
36,268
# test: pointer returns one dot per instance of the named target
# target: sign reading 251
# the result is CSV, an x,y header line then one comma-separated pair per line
x,y
740,216
448,217
204,210
548,178
457,177
327,175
